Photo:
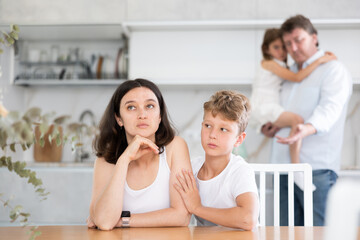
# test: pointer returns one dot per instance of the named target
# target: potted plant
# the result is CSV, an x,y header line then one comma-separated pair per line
x,y
18,132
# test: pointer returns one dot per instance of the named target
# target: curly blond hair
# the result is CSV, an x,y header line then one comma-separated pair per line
x,y
232,105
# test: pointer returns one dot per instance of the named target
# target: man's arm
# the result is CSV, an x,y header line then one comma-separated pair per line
x,y
335,92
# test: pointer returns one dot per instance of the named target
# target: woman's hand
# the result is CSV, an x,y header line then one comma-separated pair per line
x,y
186,186
138,147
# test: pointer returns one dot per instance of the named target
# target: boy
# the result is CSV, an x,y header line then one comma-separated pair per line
x,y
227,192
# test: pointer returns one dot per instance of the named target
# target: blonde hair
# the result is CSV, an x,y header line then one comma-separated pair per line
x,y
232,105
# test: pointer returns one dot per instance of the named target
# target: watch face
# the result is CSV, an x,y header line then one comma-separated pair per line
x,y
125,214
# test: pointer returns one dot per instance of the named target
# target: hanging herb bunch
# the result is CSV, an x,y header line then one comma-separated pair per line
x,y
9,39
17,133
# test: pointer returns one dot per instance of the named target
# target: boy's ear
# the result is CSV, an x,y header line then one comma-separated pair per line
x,y
240,139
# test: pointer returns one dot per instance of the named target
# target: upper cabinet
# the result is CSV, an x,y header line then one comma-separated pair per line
x,y
223,53
170,53
71,55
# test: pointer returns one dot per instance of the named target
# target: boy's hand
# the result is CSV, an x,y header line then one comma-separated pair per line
x,y
186,186
90,223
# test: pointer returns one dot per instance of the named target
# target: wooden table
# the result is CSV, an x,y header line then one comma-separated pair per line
x,y
177,233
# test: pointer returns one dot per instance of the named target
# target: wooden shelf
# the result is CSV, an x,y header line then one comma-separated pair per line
x,y
68,31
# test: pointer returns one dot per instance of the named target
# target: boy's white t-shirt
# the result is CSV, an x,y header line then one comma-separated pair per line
x,y
221,191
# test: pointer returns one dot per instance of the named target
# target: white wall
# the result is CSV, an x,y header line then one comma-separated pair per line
x,y
184,103
73,100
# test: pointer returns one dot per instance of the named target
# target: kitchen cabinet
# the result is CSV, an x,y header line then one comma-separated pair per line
x,y
171,53
93,54
222,53
68,201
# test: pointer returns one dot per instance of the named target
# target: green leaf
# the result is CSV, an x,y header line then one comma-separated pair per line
x,y
46,117
73,138
44,127
25,214
1,51
3,138
15,28
35,235
42,142
61,120
18,126
58,140
9,164
3,161
15,212
32,229
33,114
23,146
14,35
16,166
50,138
40,190
12,147
10,40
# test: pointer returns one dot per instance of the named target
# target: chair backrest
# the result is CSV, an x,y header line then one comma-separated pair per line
x,y
289,169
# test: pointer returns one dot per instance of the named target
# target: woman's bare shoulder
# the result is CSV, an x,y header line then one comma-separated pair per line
x,y
101,163
177,152
177,143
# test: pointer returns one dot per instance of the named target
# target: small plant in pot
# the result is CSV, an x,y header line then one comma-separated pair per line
x,y
20,131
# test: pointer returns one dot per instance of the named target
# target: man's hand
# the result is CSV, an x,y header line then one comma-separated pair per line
x,y
302,130
186,186
269,129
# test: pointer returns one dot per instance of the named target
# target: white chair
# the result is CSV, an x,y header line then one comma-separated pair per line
x,y
289,169
343,209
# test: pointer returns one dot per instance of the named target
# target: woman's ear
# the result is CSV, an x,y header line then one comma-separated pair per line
x,y
159,119
239,139
119,122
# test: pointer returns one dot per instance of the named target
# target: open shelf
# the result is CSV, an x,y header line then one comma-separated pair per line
x,y
69,82
130,26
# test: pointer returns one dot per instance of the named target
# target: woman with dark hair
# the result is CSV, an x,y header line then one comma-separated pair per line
x,y
138,159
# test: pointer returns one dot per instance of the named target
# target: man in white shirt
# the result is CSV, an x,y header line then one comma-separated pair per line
x,y
321,100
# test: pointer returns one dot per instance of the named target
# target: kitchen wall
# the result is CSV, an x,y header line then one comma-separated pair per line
x,y
184,104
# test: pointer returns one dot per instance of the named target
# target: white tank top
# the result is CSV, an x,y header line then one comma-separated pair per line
x,y
153,197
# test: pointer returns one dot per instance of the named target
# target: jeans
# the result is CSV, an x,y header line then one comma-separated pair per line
x,y
323,179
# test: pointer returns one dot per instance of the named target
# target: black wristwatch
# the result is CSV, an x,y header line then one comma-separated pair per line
x,y
125,218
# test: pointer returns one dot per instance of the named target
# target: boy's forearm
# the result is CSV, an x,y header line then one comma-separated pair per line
x,y
236,217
